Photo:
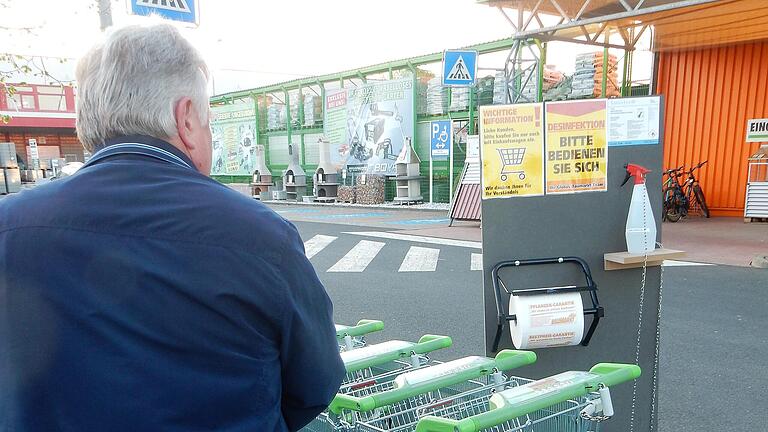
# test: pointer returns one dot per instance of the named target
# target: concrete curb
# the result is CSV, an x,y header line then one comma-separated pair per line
x,y
360,206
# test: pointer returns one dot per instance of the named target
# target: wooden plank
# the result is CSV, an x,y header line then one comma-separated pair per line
x,y
656,255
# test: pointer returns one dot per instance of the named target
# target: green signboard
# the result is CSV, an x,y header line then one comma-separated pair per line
x,y
367,125
233,128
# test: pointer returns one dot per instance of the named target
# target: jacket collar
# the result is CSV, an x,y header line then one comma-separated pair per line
x,y
151,141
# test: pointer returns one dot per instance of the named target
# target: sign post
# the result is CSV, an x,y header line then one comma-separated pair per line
x,y
459,68
440,147
34,154
186,11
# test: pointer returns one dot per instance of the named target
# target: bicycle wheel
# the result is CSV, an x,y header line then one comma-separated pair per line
x,y
671,213
699,194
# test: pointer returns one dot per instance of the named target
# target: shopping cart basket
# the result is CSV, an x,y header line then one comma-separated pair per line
x,y
351,337
511,157
567,402
382,362
394,405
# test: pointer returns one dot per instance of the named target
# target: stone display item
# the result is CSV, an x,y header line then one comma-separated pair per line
x,y
369,189
326,178
346,194
261,180
294,177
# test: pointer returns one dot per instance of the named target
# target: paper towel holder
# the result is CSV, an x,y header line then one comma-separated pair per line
x,y
503,317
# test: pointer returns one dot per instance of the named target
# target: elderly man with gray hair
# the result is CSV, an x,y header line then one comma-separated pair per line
x,y
139,294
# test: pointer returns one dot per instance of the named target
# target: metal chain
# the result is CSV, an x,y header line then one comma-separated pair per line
x,y
656,357
639,327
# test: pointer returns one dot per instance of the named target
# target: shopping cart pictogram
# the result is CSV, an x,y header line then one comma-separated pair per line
x,y
511,157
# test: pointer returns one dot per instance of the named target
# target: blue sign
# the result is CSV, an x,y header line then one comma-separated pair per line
x,y
175,10
459,67
441,138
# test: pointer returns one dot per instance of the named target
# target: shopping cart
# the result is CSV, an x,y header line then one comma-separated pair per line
x,y
394,405
567,402
511,157
381,362
351,337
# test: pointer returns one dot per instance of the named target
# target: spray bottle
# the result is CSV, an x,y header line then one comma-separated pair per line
x,y
641,225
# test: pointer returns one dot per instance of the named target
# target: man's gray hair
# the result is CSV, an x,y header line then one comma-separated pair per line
x,y
130,84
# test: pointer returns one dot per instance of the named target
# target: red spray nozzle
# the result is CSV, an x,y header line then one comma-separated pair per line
x,y
636,171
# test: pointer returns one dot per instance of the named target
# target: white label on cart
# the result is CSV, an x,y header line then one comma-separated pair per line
x,y
541,388
341,327
372,351
438,371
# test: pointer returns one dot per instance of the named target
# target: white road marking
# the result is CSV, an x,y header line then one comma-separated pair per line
x,y
317,243
358,258
420,259
477,262
419,239
674,263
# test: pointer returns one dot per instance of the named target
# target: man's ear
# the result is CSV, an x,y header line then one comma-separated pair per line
x,y
184,125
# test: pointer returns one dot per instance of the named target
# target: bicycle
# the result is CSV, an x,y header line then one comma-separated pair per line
x,y
675,199
693,192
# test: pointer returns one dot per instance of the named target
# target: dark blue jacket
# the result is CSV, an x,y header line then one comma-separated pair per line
x,y
139,295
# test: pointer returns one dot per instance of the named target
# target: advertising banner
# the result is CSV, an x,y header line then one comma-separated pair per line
x,y
757,130
367,125
577,154
633,121
512,150
233,130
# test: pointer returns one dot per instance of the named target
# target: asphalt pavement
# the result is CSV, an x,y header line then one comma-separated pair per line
x,y
714,345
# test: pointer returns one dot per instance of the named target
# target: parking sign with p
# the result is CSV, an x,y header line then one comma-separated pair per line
x,y
441,138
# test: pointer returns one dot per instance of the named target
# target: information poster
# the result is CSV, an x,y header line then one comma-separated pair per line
x,y
512,150
233,130
577,156
367,125
633,121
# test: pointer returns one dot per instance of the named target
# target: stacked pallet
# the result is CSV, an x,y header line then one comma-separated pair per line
x,y
500,88
485,91
588,76
276,116
437,97
552,77
459,98
313,110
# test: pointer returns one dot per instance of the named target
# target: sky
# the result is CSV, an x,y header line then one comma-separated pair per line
x,y
248,43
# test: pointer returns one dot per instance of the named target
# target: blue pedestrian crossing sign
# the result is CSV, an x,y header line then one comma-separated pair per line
x,y
441,137
175,10
459,67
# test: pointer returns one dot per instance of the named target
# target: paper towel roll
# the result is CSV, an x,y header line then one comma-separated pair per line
x,y
546,320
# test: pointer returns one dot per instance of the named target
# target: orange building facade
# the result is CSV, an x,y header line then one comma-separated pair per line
x,y
709,94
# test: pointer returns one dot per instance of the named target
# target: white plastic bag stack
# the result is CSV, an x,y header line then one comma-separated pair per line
x,y
437,97
500,89
459,98
588,76
313,110
276,116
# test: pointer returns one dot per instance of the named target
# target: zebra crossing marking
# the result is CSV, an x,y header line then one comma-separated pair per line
x,y
477,262
358,258
418,239
420,259
316,244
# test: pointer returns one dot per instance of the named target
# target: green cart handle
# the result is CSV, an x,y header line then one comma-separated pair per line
x,y
362,328
432,378
379,354
522,400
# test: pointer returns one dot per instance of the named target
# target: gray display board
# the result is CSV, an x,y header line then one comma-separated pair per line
x,y
585,225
